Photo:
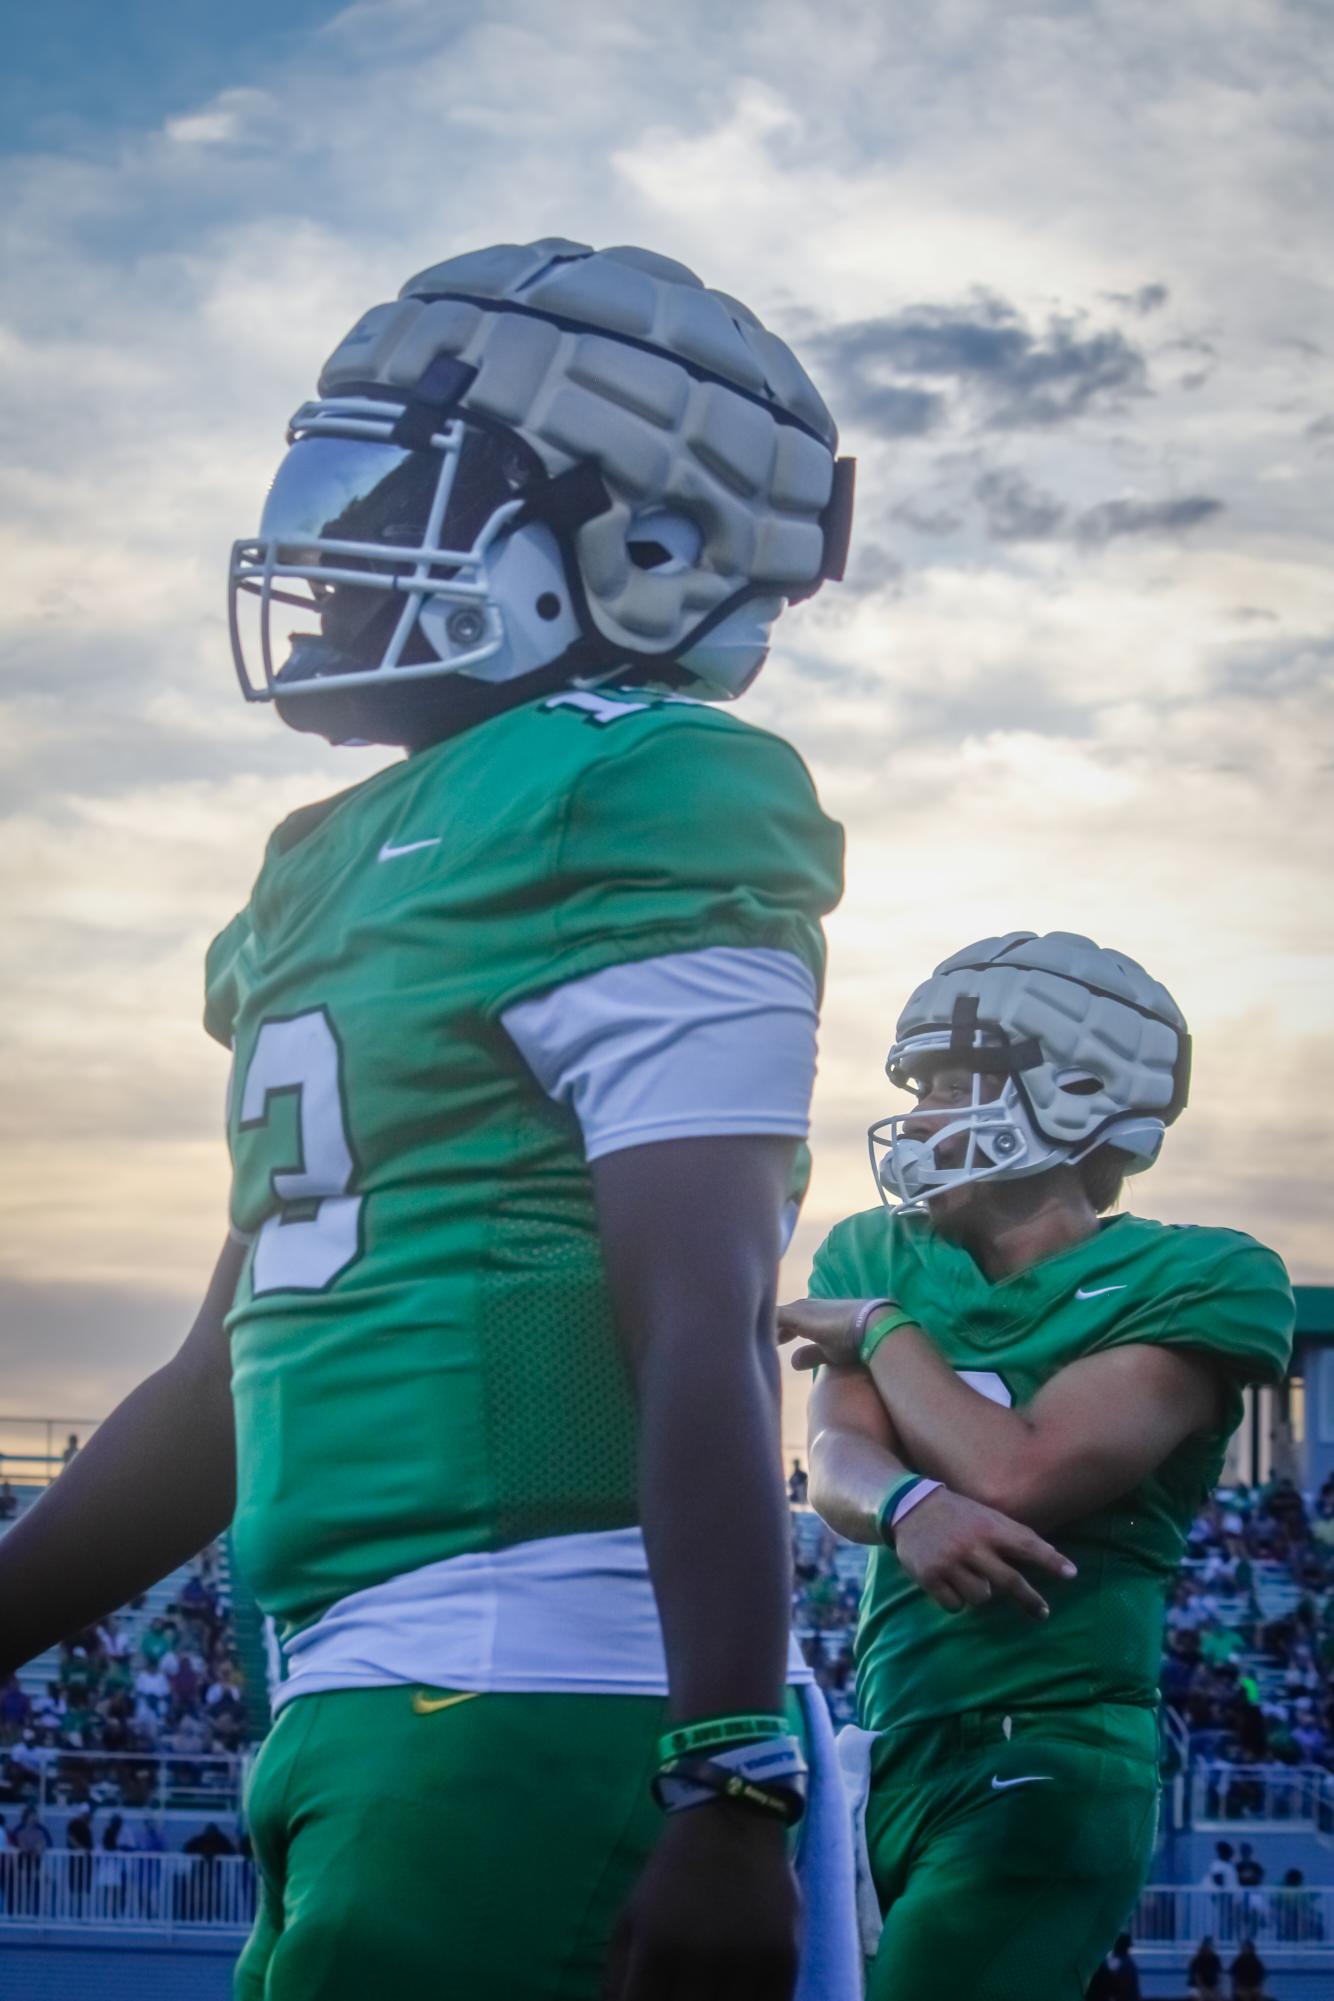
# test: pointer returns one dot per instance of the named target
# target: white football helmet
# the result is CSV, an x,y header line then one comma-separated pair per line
x,y
543,454
1092,1052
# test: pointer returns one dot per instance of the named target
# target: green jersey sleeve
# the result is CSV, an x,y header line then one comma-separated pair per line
x,y
690,832
1231,1300
221,991
830,1276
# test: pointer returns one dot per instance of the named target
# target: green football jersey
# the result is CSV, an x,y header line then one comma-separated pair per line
x,y
422,1347
1215,1291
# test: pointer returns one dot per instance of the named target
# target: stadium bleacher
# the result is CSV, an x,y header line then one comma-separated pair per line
x,y
1248,1716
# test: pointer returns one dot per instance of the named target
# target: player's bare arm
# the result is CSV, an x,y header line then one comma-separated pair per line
x,y
1092,1433
155,1482
690,1233
958,1550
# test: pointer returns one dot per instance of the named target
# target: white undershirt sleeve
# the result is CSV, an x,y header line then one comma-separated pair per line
x,y
690,1045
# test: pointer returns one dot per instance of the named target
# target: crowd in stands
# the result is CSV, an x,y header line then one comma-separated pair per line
x,y
1248,1661
175,1689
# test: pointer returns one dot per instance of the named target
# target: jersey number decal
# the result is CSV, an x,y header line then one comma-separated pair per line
x,y
319,1232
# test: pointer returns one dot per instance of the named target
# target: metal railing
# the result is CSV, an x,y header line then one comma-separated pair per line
x,y
33,1449
1297,1921
1296,1797
167,1893
153,1892
143,1781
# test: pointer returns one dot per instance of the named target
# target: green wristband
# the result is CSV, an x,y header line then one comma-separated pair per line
x,y
879,1328
717,1732
884,1514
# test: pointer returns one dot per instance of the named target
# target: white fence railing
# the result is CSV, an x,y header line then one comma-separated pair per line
x,y
167,1893
1299,1797
1296,1921
160,1892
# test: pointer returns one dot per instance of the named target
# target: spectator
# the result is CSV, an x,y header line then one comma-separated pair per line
x,y
1222,1871
9,1502
109,1876
1250,1872
797,1484
15,1710
1205,1973
31,1840
79,1840
205,1889
1117,1979
155,1642
71,1447
1248,1974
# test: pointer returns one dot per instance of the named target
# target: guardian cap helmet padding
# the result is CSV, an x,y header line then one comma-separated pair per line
x,y
1092,1052
544,453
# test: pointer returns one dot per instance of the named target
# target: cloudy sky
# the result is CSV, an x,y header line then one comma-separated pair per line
x,y
1061,272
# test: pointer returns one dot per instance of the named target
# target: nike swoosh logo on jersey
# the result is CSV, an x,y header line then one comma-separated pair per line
x,y
1096,1291
427,1705
1033,1779
388,851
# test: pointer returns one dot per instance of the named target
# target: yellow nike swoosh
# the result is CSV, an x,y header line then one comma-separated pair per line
x,y
426,1705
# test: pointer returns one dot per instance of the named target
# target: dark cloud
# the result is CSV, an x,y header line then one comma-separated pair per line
x,y
1147,299
1114,518
1322,428
1017,378
1267,670
890,411
928,520
1017,511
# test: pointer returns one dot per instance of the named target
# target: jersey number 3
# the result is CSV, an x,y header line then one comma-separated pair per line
x,y
318,1233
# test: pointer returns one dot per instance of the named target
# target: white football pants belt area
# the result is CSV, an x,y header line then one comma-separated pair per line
x,y
574,1615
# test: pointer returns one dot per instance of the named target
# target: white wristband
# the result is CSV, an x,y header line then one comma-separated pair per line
x,y
910,1500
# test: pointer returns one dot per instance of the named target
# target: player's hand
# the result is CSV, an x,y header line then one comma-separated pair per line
x,y
714,1915
963,1554
827,1327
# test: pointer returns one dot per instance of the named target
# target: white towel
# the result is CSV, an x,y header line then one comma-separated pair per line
x,y
853,1748
831,1954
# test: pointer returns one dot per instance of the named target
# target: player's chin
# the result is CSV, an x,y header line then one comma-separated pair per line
x,y
950,1210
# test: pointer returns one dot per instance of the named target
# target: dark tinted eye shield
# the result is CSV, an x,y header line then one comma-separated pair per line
x,y
362,529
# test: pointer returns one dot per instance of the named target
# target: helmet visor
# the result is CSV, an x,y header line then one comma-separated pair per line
x,y
331,489
357,533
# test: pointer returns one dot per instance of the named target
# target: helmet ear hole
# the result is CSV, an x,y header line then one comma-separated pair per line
x,y
1079,1083
663,541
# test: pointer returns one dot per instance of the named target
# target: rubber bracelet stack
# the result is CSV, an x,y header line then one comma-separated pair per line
x,y
902,1497
767,1778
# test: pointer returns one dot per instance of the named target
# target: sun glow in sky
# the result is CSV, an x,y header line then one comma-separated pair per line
x,y
1061,272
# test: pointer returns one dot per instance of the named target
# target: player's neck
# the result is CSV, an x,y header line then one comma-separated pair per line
x,y
1011,1225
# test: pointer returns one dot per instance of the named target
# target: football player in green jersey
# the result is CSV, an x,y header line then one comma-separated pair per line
x,y
1003,1352
523,1041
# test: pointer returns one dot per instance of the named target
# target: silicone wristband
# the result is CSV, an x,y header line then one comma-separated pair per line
x,y
907,1502
884,1514
768,1777
880,1326
716,1733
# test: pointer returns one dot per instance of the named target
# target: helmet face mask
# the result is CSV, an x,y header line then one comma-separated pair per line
x,y
388,556
540,458
1085,1051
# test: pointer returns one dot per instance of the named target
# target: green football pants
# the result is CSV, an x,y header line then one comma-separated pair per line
x,y
415,1842
1007,1859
